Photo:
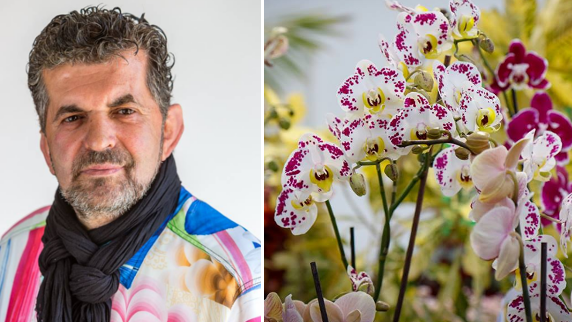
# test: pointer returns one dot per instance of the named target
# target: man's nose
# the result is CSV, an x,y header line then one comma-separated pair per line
x,y
100,133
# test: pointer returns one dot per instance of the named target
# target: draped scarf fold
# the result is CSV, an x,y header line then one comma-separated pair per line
x,y
80,268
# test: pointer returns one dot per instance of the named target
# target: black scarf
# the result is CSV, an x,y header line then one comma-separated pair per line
x,y
81,268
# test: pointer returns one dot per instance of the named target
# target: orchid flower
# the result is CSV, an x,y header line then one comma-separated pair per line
x,y
432,31
360,280
364,138
351,307
466,18
542,117
452,173
539,156
553,192
403,52
493,170
416,118
555,309
494,236
455,80
315,165
291,313
521,69
566,220
480,110
272,308
555,276
295,209
372,90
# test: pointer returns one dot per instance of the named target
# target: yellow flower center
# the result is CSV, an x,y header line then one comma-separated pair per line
x,y
374,100
419,132
464,177
485,118
323,178
428,46
466,24
303,205
373,148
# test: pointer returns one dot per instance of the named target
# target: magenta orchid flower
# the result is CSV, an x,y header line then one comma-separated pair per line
x,y
538,157
418,117
452,173
521,69
555,309
542,117
465,20
360,280
553,192
364,138
372,90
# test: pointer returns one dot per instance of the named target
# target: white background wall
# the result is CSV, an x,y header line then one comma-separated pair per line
x,y
217,46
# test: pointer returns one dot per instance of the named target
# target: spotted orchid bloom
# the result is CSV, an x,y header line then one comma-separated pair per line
x,y
360,280
556,310
539,157
363,138
566,220
403,52
492,171
296,210
480,111
465,20
555,281
553,192
454,81
371,90
542,117
416,118
432,31
452,173
521,69
494,236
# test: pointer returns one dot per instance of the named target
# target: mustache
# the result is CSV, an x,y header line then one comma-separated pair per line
x,y
116,156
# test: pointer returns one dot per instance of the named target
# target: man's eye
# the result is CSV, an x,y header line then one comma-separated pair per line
x,y
71,119
125,111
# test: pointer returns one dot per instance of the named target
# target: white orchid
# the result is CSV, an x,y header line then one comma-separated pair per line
x,y
296,210
360,280
372,90
555,309
465,20
566,220
454,81
539,157
417,117
452,173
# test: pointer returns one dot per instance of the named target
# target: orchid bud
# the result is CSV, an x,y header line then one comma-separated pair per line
x,y
273,113
434,133
478,142
284,123
392,172
357,183
462,153
272,166
418,149
279,47
487,45
466,58
423,80
425,94
381,306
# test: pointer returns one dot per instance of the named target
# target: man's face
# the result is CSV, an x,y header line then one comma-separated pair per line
x,y
103,133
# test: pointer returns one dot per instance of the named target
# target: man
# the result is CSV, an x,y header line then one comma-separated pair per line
x,y
123,240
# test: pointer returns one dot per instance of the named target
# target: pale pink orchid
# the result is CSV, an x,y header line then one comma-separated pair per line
x,y
360,281
291,313
371,90
566,220
452,173
427,34
539,157
555,309
351,307
465,20
493,172
416,118
364,137
494,236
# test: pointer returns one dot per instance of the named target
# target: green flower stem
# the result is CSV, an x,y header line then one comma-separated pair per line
x,y
507,104
456,43
393,189
409,253
522,271
337,232
384,247
514,101
450,139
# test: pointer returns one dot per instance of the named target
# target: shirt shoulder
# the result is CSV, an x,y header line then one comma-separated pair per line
x,y
222,239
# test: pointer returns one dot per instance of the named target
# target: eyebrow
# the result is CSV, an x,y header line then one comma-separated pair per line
x,y
127,98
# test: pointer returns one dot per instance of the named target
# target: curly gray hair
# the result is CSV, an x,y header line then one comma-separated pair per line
x,y
95,35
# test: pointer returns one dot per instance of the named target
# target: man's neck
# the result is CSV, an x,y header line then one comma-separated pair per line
x,y
95,220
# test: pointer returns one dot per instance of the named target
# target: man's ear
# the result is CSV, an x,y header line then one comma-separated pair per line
x,y
174,127
46,152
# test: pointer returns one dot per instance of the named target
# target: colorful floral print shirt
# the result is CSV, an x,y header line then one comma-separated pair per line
x,y
199,266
